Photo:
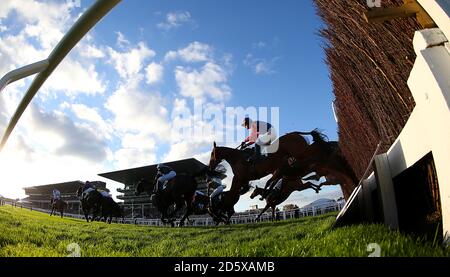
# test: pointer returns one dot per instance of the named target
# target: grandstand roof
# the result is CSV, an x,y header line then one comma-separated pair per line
x,y
66,187
133,175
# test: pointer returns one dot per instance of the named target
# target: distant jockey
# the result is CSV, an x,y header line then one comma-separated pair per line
x,y
164,175
104,193
87,188
56,195
261,133
215,182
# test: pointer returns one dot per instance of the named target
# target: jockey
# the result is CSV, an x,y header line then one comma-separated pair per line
x,y
56,195
104,193
87,188
261,134
216,183
165,174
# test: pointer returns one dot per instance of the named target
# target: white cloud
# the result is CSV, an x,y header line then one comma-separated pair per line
x,y
122,40
48,29
130,63
259,65
11,58
262,68
187,149
136,150
3,28
90,51
209,82
95,120
138,111
175,20
59,135
73,75
73,78
154,73
194,52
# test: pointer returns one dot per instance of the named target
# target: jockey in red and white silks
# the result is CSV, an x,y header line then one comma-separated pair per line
x,y
262,134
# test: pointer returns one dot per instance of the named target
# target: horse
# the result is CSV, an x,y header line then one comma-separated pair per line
x,y
276,197
92,201
291,144
58,205
179,191
110,209
328,162
201,206
331,164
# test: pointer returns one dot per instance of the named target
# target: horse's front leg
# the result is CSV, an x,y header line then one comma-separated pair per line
x,y
86,211
230,213
270,183
86,215
262,212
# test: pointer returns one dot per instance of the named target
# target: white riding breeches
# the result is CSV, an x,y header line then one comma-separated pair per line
x,y
167,177
268,142
217,191
105,194
86,193
279,184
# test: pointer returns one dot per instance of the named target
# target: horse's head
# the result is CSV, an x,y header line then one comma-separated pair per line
x,y
143,186
215,158
257,191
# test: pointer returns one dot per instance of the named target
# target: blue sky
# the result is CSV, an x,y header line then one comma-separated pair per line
x,y
113,103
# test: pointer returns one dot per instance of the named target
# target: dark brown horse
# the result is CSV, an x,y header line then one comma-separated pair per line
x,y
179,191
58,205
331,164
326,161
90,202
110,209
291,144
201,206
277,196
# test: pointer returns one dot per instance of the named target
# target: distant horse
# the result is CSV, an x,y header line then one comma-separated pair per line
x,y
90,201
58,205
201,206
179,191
222,211
110,209
277,196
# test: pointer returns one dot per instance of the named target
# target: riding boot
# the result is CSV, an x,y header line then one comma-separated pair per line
x,y
256,155
157,187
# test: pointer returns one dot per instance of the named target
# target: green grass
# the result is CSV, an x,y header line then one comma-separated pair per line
x,y
29,233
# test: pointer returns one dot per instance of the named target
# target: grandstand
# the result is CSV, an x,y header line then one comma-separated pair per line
x,y
141,206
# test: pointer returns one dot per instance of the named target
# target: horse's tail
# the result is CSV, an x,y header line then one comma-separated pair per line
x,y
317,136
